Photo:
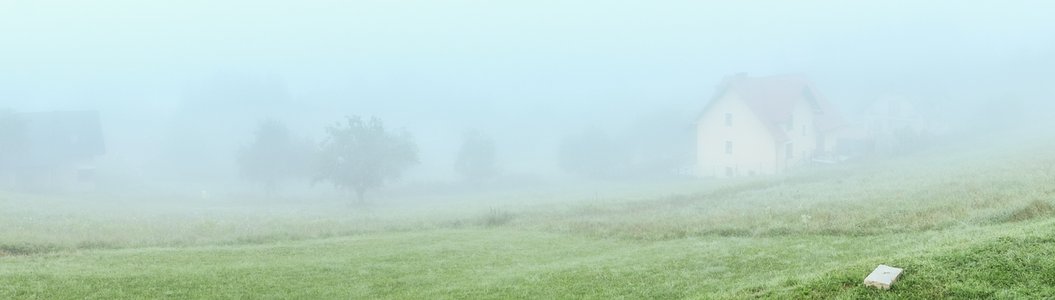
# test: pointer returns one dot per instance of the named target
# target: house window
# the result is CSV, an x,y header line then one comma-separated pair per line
x,y
728,147
790,151
803,130
728,171
728,120
791,123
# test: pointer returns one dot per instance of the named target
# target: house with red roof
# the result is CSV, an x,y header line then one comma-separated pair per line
x,y
764,126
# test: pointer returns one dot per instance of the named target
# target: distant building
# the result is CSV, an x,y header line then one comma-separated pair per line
x,y
57,151
763,125
890,124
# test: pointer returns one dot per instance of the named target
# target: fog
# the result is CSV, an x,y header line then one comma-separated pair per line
x,y
180,86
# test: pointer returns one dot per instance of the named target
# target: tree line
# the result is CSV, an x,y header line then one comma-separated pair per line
x,y
357,155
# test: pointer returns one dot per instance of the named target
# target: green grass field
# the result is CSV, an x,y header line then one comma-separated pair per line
x,y
965,222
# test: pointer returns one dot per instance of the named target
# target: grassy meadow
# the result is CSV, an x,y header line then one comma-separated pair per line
x,y
964,221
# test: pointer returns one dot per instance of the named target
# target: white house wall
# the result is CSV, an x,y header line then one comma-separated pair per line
x,y
753,150
802,136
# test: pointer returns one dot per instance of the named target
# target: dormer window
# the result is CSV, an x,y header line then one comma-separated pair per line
x,y
728,120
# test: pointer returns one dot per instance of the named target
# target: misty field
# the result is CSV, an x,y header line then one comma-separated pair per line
x,y
964,221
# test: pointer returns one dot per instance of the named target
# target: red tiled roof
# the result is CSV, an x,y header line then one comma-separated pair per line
x,y
773,99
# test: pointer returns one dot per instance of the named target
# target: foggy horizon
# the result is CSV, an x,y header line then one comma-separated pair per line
x,y
531,71
467,149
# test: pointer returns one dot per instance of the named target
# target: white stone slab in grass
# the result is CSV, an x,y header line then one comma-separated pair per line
x,y
883,277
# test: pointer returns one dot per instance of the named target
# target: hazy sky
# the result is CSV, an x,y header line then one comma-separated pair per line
x,y
442,67
592,53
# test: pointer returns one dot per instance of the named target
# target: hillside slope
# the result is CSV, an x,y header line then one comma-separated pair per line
x,y
976,223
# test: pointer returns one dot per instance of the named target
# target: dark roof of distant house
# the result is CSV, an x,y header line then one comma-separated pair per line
x,y
773,100
60,138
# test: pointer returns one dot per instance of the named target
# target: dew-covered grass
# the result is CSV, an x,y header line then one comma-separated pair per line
x,y
963,222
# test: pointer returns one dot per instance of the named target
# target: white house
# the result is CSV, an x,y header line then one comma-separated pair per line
x,y
763,126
